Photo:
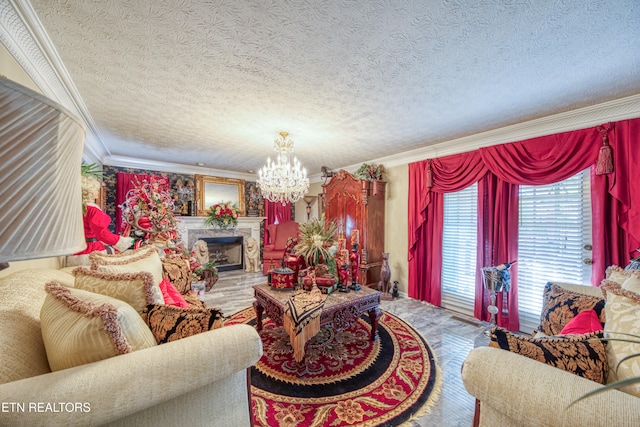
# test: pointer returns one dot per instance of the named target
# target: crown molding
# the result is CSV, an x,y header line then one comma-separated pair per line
x,y
22,33
611,111
130,162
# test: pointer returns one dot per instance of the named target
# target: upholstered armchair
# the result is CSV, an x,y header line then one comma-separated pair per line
x,y
274,248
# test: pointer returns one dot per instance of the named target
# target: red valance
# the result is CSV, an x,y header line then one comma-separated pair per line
x,y
543,160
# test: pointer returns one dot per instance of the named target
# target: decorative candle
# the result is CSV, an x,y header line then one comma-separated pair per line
x,y
344,256
355,237
342,243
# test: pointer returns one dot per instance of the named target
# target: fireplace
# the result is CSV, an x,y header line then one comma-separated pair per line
x,y
226,252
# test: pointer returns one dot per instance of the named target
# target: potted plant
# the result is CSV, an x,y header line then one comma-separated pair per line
x,y
315,241
370,172
317,244
207,273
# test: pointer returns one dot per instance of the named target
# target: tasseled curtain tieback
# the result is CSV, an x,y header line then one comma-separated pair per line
x,y
604,165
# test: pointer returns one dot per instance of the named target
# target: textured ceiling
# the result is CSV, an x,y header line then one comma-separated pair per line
x,y
188,81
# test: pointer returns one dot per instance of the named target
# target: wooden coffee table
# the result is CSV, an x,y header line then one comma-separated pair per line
x,y
340,309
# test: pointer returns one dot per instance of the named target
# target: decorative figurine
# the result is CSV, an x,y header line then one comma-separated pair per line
x,y
395,293
385,277
252,255
343,273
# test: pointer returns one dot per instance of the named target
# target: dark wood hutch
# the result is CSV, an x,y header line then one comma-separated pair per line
x,y
359,204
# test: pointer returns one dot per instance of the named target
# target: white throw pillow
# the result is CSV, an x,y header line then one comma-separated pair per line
x,y
622,317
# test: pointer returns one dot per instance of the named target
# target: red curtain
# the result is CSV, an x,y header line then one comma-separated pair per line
x,y
426,210
276,213
616,202
543,160
417,239
497,244
609,239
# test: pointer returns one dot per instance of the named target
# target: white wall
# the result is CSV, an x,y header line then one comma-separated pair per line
x,y
301,205
13,71
396,223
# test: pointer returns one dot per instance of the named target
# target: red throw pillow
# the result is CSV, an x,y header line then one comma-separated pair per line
x,y
177,297
171,295
165,293
585,322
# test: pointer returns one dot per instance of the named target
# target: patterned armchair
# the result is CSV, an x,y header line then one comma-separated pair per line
x,y
274,250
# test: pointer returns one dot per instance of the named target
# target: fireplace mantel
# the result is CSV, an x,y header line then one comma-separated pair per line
x,y
192,228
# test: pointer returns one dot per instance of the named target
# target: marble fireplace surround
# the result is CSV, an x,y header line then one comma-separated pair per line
x,y
192,228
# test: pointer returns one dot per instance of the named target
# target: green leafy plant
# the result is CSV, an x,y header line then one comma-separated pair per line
x,y
369,172
316,240
198,272
92,170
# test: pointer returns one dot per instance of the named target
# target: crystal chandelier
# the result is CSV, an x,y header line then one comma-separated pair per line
x,y
281,181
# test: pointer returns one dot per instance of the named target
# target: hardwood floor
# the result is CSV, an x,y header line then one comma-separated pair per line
x,y
450,335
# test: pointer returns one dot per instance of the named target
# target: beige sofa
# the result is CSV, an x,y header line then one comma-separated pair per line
x,y
199,381
513,390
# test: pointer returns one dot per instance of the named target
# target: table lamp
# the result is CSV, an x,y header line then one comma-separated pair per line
x,y
41,146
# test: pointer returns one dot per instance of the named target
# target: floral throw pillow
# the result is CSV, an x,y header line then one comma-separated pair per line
x,y
583,355
560,305
177,271
169,323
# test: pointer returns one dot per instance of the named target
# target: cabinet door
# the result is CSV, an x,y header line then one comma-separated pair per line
x,y
343,204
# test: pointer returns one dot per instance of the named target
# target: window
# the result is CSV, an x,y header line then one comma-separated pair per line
x,y
554,227
459,249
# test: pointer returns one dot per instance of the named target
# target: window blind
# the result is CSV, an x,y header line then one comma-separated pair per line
x,y
554,226
459,249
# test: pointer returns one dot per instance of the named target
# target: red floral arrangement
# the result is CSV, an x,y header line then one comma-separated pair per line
x,y
223,214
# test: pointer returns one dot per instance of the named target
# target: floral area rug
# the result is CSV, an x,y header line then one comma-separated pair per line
x,y
349,380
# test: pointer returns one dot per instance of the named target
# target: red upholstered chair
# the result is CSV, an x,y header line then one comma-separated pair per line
x,y
275,249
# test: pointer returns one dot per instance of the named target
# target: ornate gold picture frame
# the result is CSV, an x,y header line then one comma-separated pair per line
x,y
213,189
